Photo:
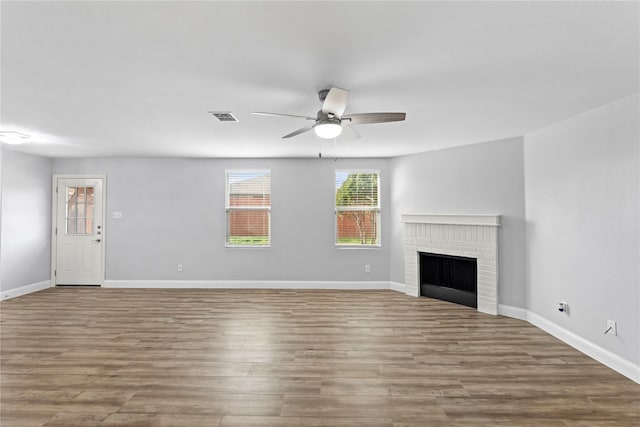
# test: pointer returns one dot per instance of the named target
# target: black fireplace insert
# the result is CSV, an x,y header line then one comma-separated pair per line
x,y
449,278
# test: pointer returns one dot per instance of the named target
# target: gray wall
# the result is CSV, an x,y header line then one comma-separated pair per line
x,y
173,212
582,198
26,220
476,179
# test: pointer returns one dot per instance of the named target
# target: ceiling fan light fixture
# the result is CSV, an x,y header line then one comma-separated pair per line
x,y
328,122
328,130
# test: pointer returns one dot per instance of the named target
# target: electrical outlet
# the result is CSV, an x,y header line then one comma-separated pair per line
x,y
179,267
367,268
612,328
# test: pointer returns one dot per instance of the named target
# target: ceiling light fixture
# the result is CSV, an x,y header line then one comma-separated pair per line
x,y
13,137
328,129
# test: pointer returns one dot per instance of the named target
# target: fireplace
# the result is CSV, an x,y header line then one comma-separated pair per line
x,y
462,236
449,278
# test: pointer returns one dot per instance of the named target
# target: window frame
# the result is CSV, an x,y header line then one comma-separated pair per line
x,y
229,209
88,216
377,209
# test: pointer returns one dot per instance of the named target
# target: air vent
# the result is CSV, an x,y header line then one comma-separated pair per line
x,y
223,116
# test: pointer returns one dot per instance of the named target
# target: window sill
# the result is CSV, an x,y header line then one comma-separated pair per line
x,y
358,246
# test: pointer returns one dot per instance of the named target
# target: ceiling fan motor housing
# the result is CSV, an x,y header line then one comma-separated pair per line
x,y
323,94
323,117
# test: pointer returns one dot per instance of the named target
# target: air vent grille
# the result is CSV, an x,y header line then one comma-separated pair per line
x,y
223,116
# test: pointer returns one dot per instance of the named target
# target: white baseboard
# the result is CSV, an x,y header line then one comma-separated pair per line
x,y
602,355
402,287
514,312
24,290
398,287
245,284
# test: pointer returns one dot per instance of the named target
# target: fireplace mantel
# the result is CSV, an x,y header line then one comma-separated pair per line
x,y
491,220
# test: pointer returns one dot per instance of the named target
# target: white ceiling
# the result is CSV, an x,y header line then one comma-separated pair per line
x,y
137,78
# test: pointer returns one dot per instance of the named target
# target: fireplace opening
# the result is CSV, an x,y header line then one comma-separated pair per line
x,y
449,278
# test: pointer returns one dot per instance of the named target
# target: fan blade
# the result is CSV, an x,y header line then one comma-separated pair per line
x,y
299,131
367,118
260,113
335,102
348,132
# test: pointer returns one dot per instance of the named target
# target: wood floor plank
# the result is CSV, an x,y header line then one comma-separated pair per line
x,y
25,418
157,420
363,406
65,419
248,421
197,403
196,357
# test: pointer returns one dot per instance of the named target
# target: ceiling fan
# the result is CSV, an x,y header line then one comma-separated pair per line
x,y
330,122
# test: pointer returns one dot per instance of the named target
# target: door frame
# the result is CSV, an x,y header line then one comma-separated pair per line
x,y
54,220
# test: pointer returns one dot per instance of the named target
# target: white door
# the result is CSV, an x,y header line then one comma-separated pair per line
x,y
79,231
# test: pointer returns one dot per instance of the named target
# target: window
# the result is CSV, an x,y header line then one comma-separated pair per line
x,y
357,208
248,204
79,211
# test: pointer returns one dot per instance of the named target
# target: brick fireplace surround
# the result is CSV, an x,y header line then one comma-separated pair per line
x,y
473,236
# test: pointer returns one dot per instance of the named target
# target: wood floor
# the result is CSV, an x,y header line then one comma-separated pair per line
x,y
149,357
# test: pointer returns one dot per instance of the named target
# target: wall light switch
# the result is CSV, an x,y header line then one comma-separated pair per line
x,y
117,215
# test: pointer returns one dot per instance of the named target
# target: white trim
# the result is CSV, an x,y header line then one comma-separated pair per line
x,y
54,220
24,290
345,246
490,220
376,209
602,355
229,209
402,287
514,312
398,287
245,284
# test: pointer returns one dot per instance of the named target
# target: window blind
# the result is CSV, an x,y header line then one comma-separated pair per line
x,y
248,205
357,208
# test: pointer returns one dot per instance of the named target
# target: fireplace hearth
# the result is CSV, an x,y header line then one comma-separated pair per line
x,y
449,278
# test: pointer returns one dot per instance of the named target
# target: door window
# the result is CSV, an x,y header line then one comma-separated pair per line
x,y
79,211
